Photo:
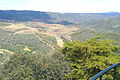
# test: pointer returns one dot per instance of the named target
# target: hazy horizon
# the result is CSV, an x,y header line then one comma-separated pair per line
x,y
57,12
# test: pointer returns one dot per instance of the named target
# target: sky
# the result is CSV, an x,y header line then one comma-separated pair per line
x,y
62,6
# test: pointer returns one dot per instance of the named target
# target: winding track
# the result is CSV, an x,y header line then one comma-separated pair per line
x,y
6,51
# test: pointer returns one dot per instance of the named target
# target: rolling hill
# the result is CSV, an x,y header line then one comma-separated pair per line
x,y
59,18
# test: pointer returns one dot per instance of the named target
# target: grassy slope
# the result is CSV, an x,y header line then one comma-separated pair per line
x,y
83,34
113,36
18,42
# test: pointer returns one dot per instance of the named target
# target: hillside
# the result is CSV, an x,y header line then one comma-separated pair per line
x,y
21,16
110,25
83,19
58,18
29,29
36,37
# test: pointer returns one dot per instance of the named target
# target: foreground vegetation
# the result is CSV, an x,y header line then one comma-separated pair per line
x,y
90,57
33,67
79,61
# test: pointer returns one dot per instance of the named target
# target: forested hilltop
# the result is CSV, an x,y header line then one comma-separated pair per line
x,y
38,45
51,17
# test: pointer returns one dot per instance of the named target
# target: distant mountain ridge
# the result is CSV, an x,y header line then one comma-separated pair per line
x,y
13,15
111,13
59,18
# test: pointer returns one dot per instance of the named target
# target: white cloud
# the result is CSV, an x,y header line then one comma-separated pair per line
x,y
78,5
69,5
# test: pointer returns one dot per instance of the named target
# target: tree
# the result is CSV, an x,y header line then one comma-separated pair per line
x,y
90,57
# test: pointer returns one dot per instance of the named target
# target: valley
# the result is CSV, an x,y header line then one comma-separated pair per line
x,y
47,34
33,43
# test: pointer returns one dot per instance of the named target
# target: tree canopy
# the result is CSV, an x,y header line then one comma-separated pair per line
x,y
90,57
33,67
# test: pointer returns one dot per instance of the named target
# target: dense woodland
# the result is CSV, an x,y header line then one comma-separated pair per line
x,y
75,61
